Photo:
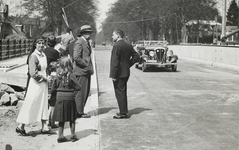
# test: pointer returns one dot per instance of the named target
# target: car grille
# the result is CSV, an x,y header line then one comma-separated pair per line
x,y
160,54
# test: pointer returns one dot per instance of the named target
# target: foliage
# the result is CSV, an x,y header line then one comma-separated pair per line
x,y
112,22
232,14
157,19
78,12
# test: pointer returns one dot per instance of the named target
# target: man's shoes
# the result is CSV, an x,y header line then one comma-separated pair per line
x,y
79,115
83,116
120,116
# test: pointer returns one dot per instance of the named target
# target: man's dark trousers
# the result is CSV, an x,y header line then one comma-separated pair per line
x,y
120,87
82,95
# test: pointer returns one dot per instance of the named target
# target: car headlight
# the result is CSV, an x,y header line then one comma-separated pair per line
x,y
151,53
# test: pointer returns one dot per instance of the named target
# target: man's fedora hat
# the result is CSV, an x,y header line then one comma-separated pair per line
x,y
85,28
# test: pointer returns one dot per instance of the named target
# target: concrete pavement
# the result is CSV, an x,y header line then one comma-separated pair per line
x,y
189,119
13,71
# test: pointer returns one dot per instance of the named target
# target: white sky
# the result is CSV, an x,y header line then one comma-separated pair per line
x,y
103,7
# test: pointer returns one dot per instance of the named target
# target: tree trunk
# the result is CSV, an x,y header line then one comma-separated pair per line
x,y
183,33
183,30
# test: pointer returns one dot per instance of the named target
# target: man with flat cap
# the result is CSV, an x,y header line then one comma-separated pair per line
x,y
83,67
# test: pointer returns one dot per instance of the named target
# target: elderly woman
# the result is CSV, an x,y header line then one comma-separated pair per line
x,y
35,106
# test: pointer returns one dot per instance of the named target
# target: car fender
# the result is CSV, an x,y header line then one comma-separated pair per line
x,y
143,58
173,59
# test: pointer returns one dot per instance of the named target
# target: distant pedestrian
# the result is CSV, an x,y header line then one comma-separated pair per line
x,y
65,41
65,85
83,67
35,106
123,56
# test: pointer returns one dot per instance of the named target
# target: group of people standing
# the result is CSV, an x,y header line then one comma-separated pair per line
x,y
65,73
58,84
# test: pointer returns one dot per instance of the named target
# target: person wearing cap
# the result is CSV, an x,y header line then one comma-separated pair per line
x,y
65,41
35,106
83,67
123,56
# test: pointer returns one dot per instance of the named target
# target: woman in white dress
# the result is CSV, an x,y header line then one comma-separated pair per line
x,y
35,106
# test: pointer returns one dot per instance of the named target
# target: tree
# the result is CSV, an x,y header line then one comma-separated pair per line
x,y
186,10
232,14
78,12
163,18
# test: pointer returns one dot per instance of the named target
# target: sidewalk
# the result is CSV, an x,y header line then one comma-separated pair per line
x,y
12,63
87,129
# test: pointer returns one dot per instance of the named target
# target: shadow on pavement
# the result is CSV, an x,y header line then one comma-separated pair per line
x,y
136,111
100,93
100,111
105,110
158,69
84,133
38,132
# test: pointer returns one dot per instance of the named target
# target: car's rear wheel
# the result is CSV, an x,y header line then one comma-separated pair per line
x,y
144,67
174,68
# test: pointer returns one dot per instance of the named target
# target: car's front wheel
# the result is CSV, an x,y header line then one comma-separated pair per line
x,y
174,68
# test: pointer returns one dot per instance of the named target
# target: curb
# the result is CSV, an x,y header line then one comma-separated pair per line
x,y
14,67
95,100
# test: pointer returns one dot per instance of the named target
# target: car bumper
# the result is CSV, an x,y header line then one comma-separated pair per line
x,y
160,64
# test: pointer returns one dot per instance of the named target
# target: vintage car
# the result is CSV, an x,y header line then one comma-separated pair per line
x,y
103,44
156,56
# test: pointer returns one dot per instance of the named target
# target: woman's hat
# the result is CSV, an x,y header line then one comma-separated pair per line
x,y
85,28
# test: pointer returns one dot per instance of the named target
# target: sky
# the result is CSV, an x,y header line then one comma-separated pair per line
x,y
103,7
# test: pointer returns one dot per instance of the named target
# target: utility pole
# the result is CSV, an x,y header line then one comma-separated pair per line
x,y
224,7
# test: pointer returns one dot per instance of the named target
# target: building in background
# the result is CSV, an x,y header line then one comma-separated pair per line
x,y
14,6
16,21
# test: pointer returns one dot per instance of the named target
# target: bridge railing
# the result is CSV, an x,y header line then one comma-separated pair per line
x,y
10,48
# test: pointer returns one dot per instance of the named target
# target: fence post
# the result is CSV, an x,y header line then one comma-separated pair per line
x,y
5,49
12,50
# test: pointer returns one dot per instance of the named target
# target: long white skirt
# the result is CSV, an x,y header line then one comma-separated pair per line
x,y
35,106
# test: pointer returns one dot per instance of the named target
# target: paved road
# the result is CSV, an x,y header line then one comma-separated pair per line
x,y
195,108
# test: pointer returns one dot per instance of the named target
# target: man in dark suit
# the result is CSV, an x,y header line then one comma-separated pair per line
x,y
83,67
71,45
123,56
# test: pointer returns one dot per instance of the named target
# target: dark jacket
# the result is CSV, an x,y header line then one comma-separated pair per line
x,y
51,55
123,56
82,58
65,90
